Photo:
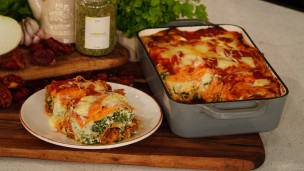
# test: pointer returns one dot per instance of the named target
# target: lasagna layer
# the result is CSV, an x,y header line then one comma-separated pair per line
x,y
89,111
210,65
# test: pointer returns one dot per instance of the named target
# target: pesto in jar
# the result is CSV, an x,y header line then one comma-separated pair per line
x,y
95,26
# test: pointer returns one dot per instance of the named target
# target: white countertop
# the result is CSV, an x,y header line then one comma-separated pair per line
x,y
279,34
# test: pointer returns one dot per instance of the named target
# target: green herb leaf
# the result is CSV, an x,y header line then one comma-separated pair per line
x,y
187,10
201,13
155,3
16,9
135,15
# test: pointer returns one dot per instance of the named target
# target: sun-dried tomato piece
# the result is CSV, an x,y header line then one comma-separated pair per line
x,y
58,47
13,81
46,51
20,95
5,97
36,85
123,77
37,46
102,76
43,57
15,61
121,80
88,75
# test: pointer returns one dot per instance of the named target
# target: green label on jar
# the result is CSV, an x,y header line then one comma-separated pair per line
x,y
97,32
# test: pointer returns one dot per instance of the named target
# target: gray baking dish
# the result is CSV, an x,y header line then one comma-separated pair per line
x,y
211,119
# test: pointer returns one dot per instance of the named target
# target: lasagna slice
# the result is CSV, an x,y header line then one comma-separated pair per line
x,y
210,65
90,111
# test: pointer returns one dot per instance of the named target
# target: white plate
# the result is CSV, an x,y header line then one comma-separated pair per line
x,y
35,120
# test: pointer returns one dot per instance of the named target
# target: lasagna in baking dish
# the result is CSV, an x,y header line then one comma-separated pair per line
x,y
90,111
210,64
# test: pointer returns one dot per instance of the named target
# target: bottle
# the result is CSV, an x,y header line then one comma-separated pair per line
x,y
56,18
95,26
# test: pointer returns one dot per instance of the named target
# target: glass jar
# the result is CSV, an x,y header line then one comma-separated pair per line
x,y
95,26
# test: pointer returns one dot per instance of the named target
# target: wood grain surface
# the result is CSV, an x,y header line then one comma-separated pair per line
x,y
70,64
161,149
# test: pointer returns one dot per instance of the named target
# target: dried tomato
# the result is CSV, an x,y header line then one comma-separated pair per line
x,y
15,61
43,57
46,51
101,76
13,81
5,97
37,47
58,47
20,95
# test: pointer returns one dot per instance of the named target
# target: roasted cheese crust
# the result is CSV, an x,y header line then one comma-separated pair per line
x,y
89,111
210,65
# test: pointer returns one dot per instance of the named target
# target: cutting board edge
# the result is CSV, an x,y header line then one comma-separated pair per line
x,y
163,161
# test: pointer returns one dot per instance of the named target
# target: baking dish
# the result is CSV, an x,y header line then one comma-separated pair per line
x,y
212,118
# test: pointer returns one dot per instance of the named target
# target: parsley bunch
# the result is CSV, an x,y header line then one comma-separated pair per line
x,y
16,9
135,15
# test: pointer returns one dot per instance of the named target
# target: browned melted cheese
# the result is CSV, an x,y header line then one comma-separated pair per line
x,y
210,65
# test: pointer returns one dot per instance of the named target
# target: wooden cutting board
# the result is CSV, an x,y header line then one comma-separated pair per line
x,y
70,64
161,149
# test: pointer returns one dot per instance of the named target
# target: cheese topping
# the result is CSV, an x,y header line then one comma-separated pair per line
x,y
210,64
261,82
114,99
248,60
224,63
82,108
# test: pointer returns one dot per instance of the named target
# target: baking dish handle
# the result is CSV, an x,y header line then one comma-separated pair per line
x,y
234,110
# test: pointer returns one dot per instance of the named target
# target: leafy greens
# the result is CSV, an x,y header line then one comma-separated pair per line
x,y
16,9
135,15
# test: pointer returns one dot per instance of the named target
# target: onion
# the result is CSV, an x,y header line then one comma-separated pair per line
x,y
10,34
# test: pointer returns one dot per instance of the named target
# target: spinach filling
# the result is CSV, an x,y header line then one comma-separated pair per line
x,y
121,118
163,75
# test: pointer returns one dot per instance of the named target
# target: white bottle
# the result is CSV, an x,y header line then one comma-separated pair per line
x,y
56,18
